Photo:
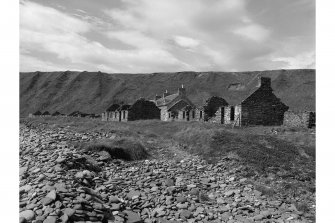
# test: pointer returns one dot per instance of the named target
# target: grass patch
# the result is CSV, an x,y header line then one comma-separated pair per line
x,y
310,150
126,148
197,138
302,206
263,152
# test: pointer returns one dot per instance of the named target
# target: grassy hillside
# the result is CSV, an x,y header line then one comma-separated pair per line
x,y
93,92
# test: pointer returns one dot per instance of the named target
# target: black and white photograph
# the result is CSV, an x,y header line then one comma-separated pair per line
x,y
166,111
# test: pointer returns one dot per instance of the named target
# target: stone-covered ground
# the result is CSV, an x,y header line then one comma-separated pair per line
x,y
61,183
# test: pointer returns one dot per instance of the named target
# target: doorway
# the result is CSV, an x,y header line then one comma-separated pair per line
x,y
232,113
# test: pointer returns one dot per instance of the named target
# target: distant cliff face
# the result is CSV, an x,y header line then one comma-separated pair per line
x,y
94,92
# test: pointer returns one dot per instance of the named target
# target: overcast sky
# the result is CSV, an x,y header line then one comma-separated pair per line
x,y
166,35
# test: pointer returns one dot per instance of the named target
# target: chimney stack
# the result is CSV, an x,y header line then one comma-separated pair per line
x,y
157,97
265,82
182,90
165,93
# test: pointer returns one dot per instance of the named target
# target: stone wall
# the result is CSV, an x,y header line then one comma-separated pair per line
x,y
199,115
192,115
164,113
299,119
238,115
118,116
217,118
312,120
124,116
223,115
113,116
110,116
228,119
181,116
104,116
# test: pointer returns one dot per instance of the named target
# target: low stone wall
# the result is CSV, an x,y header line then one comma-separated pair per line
x,y
304,119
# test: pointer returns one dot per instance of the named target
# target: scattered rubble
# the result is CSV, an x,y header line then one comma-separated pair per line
x,y
60,183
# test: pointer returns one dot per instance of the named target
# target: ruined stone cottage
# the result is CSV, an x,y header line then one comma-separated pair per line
x,y
111,113
256,106
142,109
123,112
177,107
211,106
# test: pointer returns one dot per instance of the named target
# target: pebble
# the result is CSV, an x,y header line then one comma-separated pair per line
x,y
182,206
50,219
69,211
181,199
113,199
133,194
133,217
229,193
27,214
185,214
194,191
52,195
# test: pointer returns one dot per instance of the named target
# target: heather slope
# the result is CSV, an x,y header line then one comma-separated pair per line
x,y
93,92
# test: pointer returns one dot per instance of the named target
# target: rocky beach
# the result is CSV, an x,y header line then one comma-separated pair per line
x,y
59,182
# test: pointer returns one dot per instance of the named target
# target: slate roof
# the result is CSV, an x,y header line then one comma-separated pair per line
x,y
113,107
56,113
189,102
166,100
77,113
38,113
124,107
235,97
187,108
238,97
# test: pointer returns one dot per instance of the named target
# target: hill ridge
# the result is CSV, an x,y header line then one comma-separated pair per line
x,y
93,92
